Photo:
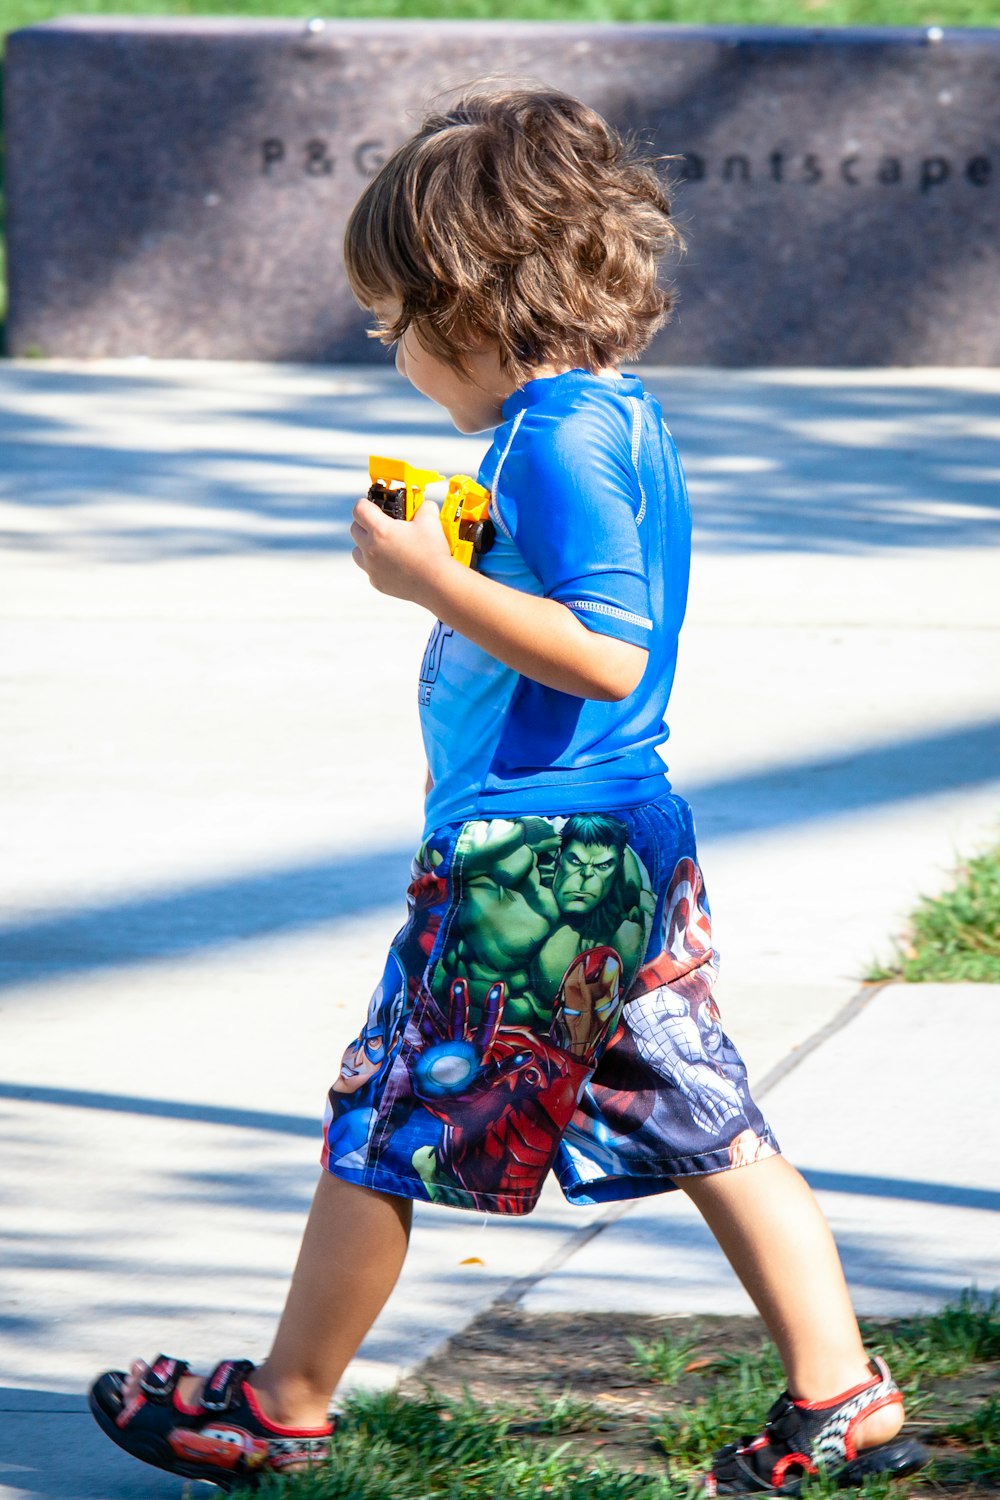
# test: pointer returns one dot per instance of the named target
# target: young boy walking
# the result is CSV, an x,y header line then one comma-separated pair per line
x,y
548,1003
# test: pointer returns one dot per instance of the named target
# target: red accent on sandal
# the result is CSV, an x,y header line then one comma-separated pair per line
x,y
303,1432
135,1403
881,1373
800,1460
895,1398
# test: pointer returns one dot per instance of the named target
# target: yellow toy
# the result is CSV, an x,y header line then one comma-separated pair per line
x,y
398,490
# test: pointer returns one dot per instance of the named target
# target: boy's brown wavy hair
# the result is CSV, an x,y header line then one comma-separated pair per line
x,y
521,216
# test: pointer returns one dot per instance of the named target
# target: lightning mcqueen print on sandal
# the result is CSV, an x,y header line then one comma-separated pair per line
x,y
224,1439
806,1437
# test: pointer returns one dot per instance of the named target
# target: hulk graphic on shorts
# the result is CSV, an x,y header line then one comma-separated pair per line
x,y
535,894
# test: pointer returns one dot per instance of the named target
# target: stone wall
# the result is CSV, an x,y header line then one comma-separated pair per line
x,y
180,188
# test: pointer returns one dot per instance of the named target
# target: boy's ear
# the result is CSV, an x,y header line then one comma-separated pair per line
x,y
477,339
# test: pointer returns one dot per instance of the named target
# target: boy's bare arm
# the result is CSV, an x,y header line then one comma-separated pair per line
x,y
539,638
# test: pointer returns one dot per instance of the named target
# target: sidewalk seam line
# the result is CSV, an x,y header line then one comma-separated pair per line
x,y
519,1288
805,1049
576,1241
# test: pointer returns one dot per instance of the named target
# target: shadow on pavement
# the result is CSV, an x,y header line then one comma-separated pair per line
x,y
913,1191
198,918
945,1193
807,467
209,915
162,1109
51,1448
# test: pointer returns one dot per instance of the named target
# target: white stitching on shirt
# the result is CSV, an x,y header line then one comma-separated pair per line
x,y
633,401
495,497
609,609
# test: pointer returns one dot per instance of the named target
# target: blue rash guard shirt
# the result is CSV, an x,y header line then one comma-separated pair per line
x,y
590,509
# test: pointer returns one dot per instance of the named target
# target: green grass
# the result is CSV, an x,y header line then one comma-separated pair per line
x,y
555,1416
982,1433
962,1335
738,1387
664,1359
732,1402
954,936
15,13
391,1447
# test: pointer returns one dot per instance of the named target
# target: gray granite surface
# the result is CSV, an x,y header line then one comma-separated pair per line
x,y
179,188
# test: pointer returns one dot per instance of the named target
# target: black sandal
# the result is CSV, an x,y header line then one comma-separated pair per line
x,y
812,1437
225,1439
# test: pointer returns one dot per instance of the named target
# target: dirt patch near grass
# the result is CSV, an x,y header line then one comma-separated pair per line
x,y
632,1389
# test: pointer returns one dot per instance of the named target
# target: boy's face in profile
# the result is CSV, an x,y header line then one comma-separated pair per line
x,y
473,400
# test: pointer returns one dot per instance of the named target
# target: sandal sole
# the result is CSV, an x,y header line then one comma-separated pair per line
x,y
151,1448
901,1456
896,1459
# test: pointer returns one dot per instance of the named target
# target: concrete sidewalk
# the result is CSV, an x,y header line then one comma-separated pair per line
x,y
212,775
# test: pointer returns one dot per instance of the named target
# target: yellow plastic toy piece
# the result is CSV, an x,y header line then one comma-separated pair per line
x,y
398,489
466,521
391,472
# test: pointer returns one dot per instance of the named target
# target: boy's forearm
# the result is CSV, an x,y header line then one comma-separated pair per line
x,y
539,638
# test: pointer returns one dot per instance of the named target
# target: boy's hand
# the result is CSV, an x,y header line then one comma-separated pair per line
x,y
537,637
402,558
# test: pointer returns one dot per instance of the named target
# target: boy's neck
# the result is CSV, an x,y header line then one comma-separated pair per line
x,y
546,372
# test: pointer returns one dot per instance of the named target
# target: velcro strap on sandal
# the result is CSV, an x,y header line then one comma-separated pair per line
x,y
783,1420
160,1380
224,1387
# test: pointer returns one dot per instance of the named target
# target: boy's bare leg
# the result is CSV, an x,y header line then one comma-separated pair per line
x,y
351,1255
773,1232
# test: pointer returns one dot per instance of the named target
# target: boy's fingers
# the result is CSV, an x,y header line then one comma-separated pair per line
x,y
428,515
368,521
367,515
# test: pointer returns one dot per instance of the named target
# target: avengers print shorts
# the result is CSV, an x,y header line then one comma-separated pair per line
x,y
547,1004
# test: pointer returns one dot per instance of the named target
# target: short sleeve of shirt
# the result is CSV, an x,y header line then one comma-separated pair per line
x,y
569,497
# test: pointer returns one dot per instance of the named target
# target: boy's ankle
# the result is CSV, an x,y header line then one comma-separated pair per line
x,y
288,1403
879,1426
880,1423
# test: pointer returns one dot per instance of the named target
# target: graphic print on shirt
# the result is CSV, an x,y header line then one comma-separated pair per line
x,y
431,664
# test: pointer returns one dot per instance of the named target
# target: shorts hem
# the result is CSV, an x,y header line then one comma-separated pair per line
x,y
660,1177
381,1181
